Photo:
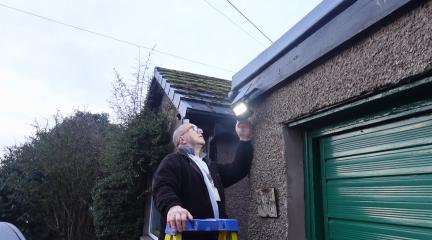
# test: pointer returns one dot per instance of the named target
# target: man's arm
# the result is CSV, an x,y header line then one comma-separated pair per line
x,y
233,172
239,168
166,184
166,190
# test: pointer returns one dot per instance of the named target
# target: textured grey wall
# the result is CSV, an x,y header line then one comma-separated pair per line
x,y
400,49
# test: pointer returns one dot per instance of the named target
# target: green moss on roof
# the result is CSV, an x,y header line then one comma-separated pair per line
x,y
196,86
199,79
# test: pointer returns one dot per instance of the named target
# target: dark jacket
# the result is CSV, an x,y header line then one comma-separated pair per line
x,y
179,181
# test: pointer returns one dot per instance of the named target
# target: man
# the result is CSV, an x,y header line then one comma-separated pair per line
x,y
186,185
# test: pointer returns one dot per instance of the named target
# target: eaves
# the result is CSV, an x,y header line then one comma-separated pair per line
x,y
186,105
326,28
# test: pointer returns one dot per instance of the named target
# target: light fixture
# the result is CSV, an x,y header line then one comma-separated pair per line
x,y
241,110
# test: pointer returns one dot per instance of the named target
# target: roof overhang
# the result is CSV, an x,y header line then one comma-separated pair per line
x,y
186,105
325,28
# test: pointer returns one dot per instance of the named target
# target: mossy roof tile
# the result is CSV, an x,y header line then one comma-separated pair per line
x,y
197,87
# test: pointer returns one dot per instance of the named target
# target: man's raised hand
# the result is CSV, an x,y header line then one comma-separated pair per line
x,y
244,130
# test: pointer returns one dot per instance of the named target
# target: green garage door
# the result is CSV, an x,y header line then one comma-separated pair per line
x,y
377,181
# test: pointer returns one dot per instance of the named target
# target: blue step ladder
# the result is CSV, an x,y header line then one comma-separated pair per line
x,y
227,228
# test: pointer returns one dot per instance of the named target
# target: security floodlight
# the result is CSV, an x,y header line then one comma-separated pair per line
x,y
240,109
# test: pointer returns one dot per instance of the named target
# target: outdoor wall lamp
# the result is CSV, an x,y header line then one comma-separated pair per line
x,y
241,110
240,106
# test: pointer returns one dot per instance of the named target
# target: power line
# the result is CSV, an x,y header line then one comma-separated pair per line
x,y
114,38
257,28
233,22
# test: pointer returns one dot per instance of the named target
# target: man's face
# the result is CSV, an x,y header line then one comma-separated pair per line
x,y
193,135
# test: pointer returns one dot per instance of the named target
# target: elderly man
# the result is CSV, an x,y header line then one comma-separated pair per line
x,y
187,185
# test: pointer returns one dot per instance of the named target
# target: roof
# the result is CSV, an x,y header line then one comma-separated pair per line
x,y
283,43
326,28
190,92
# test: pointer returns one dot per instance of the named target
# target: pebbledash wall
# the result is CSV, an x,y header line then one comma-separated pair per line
x,y
385,56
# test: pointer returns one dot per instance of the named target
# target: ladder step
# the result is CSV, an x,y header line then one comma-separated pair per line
x,y
208,225
227,228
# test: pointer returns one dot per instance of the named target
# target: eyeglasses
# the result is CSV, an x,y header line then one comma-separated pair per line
x,y
194,128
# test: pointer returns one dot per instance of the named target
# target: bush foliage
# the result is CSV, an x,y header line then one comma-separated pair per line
x,y
45,184
131,155
86,178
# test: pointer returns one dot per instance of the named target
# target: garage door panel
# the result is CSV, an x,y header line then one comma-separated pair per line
x,y
404,200
345,229
417,188
414,132
414,160
377,181
400,213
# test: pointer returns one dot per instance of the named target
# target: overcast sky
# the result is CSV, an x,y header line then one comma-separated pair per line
x,y
47,67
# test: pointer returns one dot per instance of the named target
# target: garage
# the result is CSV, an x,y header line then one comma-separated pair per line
x,y
378,181
371,177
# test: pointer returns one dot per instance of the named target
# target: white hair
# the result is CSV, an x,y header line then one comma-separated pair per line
x,y
178,132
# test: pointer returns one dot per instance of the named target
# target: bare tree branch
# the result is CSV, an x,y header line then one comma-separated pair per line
x,y
128,100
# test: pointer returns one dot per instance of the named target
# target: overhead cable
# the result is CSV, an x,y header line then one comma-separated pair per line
x,y
233,22
114,38
255,26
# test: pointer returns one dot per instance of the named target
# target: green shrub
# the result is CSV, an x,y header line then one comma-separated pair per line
x,y
46,183
131,155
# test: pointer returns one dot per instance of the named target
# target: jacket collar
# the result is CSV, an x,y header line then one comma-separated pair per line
x,y
184,151
189,150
